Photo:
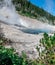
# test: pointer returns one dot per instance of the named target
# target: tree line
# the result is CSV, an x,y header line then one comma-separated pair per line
x,y
27,8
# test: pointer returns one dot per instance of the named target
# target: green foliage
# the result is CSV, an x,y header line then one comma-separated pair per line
x,y
9,57
49,52
28,9
47,57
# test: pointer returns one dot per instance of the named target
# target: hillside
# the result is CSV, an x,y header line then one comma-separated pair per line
x,y
26,8
26,38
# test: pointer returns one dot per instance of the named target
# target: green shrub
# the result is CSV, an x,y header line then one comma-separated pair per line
x,y
8,57
49,52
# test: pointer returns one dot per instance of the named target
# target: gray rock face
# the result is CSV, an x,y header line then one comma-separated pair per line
x,y
22,41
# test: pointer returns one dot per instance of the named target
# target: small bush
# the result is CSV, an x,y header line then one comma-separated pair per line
x,y
47,57
8,57
49,52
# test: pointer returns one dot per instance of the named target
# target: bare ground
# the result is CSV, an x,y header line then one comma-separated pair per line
x,y
23,41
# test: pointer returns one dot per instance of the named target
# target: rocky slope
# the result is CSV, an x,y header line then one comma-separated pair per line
x,y
22,41
22,36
